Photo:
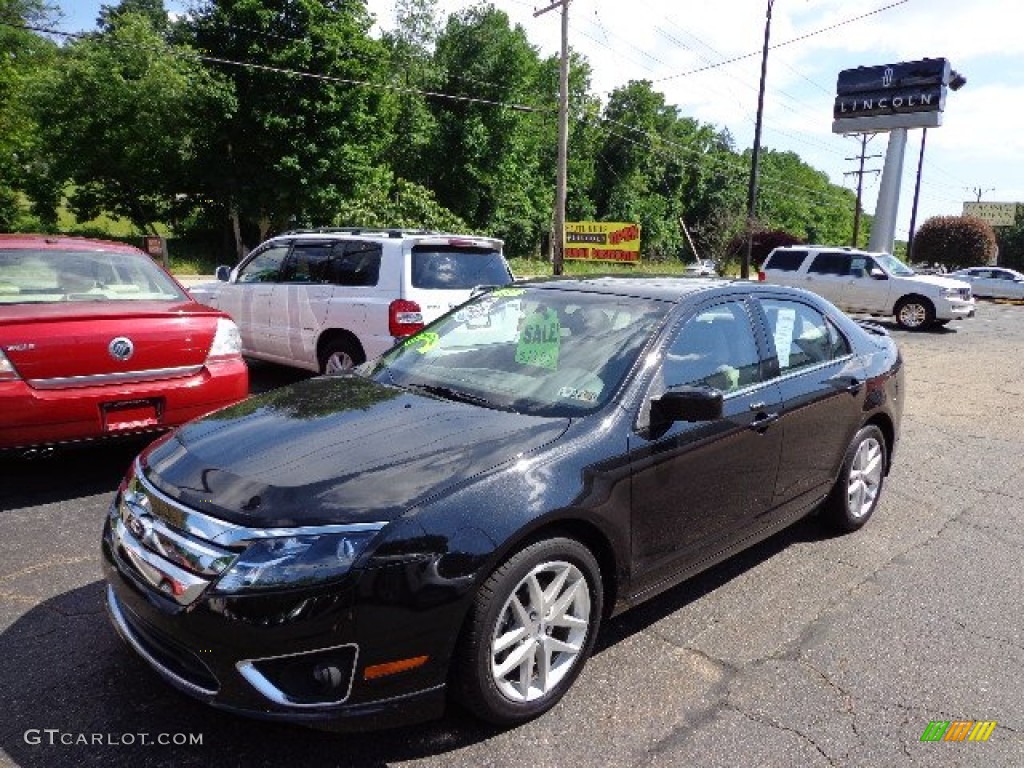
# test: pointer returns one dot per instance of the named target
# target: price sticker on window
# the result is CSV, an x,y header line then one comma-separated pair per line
x,y
539,340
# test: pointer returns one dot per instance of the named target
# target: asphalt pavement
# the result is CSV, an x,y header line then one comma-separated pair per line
x,y
808,650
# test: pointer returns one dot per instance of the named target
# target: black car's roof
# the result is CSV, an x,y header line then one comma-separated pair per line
x,y
672,289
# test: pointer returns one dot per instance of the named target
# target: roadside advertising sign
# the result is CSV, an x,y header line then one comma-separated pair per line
x,y
602,241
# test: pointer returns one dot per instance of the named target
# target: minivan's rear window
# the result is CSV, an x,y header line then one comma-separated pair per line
x,y
787,261
457,268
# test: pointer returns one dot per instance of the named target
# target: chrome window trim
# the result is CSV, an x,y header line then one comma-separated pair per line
x,y
255,678
790,373
123,377
125,630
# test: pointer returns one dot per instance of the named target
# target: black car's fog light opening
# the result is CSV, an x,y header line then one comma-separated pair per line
x,y
295,561
315,678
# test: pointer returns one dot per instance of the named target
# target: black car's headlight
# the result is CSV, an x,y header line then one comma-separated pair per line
x,y
295,561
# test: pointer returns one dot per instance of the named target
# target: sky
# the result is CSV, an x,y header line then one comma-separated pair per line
x,y
680,46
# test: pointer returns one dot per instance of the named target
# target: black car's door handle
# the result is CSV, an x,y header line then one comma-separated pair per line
x,y
853,386
763,421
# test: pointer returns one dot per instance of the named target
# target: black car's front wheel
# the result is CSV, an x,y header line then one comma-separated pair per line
x,y
859,485
531,629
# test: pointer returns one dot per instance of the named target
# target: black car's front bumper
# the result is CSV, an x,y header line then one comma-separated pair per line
x,y
244,654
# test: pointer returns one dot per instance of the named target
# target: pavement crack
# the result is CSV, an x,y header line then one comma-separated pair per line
x,y
779,726
996,638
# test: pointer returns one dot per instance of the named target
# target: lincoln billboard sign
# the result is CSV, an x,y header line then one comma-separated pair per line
x,y
911,94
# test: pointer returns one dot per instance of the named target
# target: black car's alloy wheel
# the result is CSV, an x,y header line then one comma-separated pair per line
x,y
859,486
531,629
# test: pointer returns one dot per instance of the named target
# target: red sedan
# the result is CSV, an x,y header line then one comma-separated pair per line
x,y
96,340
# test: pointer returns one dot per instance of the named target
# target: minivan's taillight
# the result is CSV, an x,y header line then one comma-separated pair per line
x,y
761,277
404,318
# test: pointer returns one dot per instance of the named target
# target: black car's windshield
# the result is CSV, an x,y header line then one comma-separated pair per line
x,y
531,350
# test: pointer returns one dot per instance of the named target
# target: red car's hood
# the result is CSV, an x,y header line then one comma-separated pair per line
x,y
49,341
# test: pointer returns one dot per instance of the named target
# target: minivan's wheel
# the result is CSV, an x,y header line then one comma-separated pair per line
x,y
914,313
530,631
859,486
338,356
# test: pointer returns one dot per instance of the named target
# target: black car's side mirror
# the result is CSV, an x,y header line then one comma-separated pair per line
x,y
223,273
687,404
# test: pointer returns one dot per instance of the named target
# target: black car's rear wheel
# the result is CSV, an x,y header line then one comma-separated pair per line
x,y
531,629
859,485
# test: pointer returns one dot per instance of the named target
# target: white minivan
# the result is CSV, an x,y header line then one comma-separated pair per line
x,y
870,283
328,299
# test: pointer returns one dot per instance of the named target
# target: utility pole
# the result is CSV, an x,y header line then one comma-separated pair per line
x,y
558,246
755,155
859,173
917,194
978,191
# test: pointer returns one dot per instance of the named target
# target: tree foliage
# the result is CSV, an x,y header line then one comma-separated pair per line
x,y
248,117
110,116
955,241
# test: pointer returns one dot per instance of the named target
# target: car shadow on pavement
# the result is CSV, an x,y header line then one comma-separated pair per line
x,y
74,694
636,620
66,473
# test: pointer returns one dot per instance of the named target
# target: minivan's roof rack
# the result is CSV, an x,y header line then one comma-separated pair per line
x,y
395,233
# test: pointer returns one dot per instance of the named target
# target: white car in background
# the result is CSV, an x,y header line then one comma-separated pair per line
x,y
993,282
863,282
700,268
329,299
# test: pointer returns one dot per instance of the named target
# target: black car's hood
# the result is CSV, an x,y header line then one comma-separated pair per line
x,y
334,450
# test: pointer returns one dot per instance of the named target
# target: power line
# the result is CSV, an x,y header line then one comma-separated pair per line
x,y
797,39
290,72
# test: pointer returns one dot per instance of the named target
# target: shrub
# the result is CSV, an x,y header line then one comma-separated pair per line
x,y
954,242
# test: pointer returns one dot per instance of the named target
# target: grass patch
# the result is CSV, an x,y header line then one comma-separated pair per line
x,y
540,268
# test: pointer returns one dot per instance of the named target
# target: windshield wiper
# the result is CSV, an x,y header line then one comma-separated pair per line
x,y
448,393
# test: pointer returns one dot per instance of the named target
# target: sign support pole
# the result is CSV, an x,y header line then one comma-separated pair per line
x,y
883,229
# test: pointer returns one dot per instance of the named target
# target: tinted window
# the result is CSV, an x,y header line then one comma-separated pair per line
x,y
356,263
716,348
787,261
448,268
307,263
265,266
861,266
801,335
830,263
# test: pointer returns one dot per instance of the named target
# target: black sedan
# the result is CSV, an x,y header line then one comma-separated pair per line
x,y
455,519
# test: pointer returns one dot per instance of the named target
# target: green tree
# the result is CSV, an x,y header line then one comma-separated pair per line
x,y
955,241
800,199
295,147
23,55
486,160
154,10
411,47
114,117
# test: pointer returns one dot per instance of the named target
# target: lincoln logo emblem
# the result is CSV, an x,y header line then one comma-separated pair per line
x,y
121,348
887,77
